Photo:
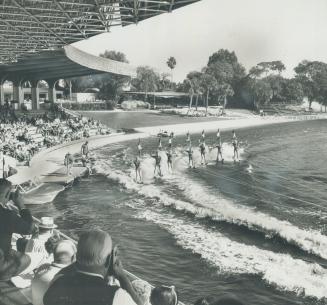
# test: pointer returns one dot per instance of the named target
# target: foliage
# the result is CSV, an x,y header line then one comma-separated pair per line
x,y
313,77
110,85
292,91
261,92
171,62
147,80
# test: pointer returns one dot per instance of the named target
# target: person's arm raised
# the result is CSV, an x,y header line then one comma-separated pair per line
x,y
125,283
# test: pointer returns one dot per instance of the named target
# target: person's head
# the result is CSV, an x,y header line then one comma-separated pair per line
x,y
86,142
5,190
164,295
93,251
64,252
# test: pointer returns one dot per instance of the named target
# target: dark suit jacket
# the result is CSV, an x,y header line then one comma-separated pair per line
x,y
11,223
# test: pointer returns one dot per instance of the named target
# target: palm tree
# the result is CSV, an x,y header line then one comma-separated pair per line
x,y
171,63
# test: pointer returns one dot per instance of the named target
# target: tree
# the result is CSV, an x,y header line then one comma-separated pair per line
x,y
114,55
267,67
229,73
310,74
171,63
193,79
209,83
261,92
292,91
146,80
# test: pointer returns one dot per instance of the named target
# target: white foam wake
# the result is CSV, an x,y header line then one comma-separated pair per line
x,y
201,203
229,256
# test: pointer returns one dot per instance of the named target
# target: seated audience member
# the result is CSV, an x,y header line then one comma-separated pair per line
x,y
164,295
64,254
85,282
37,243
12,263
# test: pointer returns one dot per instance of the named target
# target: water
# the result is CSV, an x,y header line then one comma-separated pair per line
x,y
256,229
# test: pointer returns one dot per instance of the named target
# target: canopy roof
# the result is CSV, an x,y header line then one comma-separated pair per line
x,y
62,63
29,26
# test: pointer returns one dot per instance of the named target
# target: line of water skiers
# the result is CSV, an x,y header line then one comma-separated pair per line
x,y
189,150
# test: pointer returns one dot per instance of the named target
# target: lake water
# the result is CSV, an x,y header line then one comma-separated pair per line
x,y
255,229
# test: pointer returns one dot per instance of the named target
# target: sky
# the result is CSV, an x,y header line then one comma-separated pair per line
x,y
257,30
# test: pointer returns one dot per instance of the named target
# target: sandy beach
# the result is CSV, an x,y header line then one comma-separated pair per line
x,y
51,159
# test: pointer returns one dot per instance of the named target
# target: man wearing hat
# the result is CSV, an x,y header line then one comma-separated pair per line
x,y
37,243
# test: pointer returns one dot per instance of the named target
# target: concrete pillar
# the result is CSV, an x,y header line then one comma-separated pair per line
x,y
35,95
52,90
18,94
2,94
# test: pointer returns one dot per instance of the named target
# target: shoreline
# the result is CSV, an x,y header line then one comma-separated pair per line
x,y
51,160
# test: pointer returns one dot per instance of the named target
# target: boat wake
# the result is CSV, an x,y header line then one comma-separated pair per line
x,y
229,256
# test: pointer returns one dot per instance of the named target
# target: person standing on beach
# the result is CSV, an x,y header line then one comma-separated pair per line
x,y
137,164
85,149
157,166
69,160
139,148
170,159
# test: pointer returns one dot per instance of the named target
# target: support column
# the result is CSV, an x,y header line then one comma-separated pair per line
x,y
52,90
35,95
2,94
18,94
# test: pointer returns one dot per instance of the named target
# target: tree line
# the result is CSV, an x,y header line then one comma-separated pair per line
x,y
223,81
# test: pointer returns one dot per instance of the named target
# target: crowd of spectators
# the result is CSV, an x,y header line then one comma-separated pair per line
x,y
23,136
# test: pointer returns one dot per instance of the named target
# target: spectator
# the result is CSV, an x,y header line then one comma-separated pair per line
x,y
69,160
164,295
84,282
37,243
64,255
12,263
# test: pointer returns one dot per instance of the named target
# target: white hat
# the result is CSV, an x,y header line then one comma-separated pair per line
x,y
47,223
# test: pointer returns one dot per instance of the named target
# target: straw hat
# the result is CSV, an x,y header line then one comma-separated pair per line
x,y
47,223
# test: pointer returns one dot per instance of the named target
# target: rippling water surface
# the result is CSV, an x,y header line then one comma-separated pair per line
x,y
256,229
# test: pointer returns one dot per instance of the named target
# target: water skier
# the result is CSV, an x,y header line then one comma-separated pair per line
x,y
190,157
219,152
170,159
137,164
202,146
68,162
157,166
235,145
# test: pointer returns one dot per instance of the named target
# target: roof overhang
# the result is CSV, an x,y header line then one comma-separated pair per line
x,y
63,63
29,26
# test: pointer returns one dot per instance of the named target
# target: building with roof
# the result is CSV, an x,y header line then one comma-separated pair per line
x,y
36,38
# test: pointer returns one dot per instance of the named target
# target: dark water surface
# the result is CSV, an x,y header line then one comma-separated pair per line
x,y
256,229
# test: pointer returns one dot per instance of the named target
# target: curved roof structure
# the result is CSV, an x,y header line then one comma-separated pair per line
x,y
29,26
63,63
